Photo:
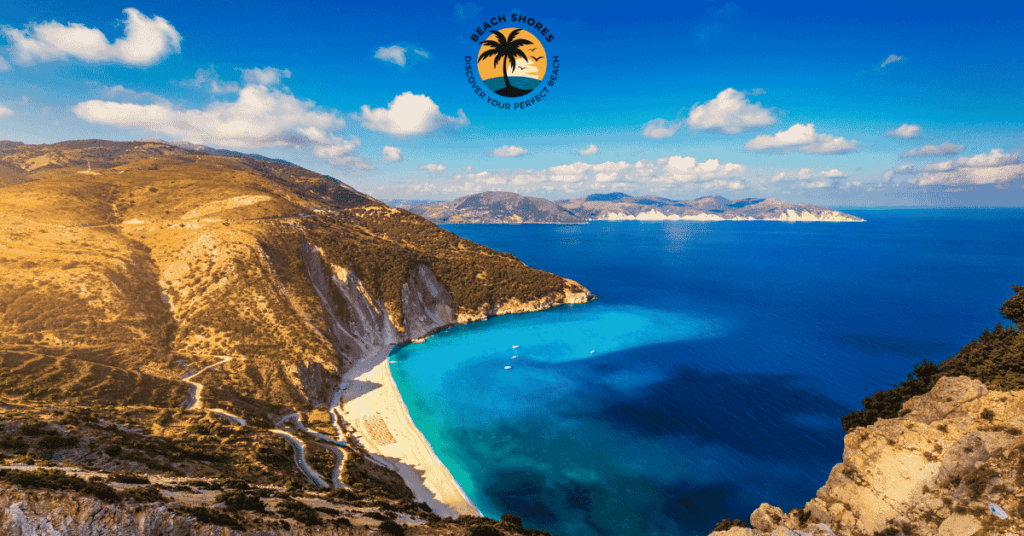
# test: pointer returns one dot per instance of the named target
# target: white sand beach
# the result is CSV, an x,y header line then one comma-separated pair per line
x,y
372,405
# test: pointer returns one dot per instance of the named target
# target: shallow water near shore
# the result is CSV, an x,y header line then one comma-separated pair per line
x,y
711,373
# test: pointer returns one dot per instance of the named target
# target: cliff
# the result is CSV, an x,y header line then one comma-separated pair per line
x,y
952,465
619,207
169,311
496,207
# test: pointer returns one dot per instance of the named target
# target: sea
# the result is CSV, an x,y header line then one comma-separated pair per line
x,y
710,374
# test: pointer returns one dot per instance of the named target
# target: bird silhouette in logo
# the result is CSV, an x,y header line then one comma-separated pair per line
x,y
537,58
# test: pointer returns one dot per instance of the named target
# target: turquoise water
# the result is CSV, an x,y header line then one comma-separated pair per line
x,y
711,374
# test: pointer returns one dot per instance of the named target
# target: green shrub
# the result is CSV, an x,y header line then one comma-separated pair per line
x,y
727,524
213,517
391,528
142,494
59,480
513,520
298,511
484,530
241,500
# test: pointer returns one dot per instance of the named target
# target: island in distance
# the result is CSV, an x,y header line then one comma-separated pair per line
x,y
508,207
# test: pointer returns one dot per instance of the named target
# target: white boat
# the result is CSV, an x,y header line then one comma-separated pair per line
x,y
515,356
515,346
507,367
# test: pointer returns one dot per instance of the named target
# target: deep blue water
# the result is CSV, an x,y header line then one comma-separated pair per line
x,y
724,355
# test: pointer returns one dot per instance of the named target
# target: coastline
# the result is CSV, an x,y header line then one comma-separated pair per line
x,y
373,406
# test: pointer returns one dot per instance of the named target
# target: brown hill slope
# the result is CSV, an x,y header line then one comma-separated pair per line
x,y
125,266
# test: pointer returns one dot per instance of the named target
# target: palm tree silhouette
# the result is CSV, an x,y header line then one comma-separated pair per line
x,y
506,51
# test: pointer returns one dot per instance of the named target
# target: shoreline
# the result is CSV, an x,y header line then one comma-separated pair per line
x,y
373,406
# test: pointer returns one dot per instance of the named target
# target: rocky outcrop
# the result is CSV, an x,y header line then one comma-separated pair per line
x,y
56,513
426,304
951,464
572,293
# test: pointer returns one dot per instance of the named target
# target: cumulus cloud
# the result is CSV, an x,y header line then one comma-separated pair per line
x,y
994,167
433,168
209,77
893,58
267,76
146,41
509,151
730,112
409,115
804,139
391,154
5,111
808,174
659,128
906,130
588,151
260,116
396,54
934,150
673,171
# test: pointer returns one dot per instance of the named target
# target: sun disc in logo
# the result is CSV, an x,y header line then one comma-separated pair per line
x,y
511,62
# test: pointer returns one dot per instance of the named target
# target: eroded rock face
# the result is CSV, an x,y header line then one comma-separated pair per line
x,y
426,304
932,471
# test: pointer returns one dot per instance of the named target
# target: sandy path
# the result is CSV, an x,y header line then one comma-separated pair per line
x,y
194,399
374,407
300,458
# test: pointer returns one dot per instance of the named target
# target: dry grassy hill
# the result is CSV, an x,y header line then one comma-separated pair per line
x,y
124,267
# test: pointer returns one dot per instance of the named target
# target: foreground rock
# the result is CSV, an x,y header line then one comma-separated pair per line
x,y
951,465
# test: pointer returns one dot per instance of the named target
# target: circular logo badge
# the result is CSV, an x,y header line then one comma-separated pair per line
x,y
511,62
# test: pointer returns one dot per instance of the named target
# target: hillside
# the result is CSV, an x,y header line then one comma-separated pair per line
x,y
496,207
164,310
619,206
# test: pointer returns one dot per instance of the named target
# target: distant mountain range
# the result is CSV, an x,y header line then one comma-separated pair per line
x,y
507,207
496,207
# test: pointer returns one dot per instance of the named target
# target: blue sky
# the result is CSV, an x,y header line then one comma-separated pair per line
x,y
905,103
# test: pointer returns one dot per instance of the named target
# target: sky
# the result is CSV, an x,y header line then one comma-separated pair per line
x,y
841,104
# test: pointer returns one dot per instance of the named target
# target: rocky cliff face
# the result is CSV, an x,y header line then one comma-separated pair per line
x,y
496,207
952,465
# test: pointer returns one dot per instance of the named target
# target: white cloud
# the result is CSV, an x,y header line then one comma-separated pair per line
x,y
433,168
804,139
659,128
209,77
4,66
394,54
5,111
817,184
509,151
391,154
146,41
267,76
893,58
730,112
409,115
906,130
994,167
934,150
588,151
259,116
809,174
758,91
